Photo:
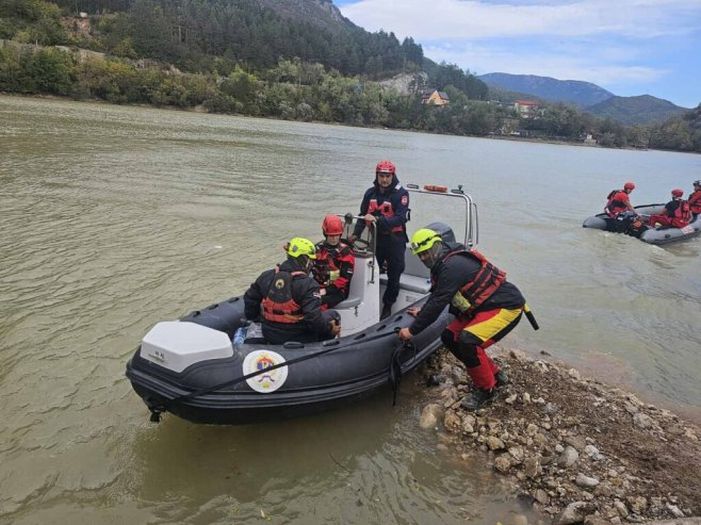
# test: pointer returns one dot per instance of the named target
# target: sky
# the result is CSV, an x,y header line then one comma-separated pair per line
x,y
629,47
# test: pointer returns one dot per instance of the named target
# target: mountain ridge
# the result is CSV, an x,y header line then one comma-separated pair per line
x,y
588,97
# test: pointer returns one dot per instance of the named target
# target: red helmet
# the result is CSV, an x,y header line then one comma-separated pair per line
x,y
332,225
629,186
676,192
385,166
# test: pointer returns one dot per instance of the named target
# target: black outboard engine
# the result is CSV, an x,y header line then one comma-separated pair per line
x,y
629,223
443,230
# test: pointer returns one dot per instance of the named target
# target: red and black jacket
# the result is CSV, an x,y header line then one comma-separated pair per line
x,y
391,207
287,303
467,272
333,270
618,202
695,202
678,209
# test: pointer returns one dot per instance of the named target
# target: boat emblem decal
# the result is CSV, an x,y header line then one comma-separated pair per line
x,y
267,381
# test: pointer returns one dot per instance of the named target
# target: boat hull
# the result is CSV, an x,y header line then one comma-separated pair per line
x,y
347,370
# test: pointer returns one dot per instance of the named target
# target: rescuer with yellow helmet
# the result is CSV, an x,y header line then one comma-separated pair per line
x,y
287,302
486,308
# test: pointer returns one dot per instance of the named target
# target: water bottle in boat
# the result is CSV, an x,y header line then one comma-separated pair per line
x,y
240,336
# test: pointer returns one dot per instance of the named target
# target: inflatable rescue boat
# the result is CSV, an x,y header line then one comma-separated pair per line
x,y
192,368
625,223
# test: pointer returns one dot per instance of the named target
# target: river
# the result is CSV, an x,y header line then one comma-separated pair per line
x,y
114,218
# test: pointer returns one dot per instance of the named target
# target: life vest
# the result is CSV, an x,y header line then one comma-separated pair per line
x,y
475,292
682,211
278,305
695,202
326,268
614,206
386,210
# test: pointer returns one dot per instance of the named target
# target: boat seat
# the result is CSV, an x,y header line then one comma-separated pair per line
x,y
411,283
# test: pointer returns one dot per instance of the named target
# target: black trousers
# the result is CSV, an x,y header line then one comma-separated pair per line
x,y
390,253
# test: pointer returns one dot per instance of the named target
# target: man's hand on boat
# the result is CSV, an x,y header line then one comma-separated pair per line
x,y
405,335
335,328
413,311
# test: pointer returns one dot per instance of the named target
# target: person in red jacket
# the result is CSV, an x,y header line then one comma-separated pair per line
x,y
334,264
676,212
695,199
618,201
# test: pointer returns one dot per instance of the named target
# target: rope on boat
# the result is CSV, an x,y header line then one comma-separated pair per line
x,y
395,367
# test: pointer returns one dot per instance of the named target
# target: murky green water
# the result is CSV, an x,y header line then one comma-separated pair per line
x,y
114,218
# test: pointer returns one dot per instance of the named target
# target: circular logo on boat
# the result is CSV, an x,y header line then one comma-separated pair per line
x,y
265,381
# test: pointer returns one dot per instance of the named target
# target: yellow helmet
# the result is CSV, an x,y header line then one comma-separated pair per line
x,y
301,246
423,240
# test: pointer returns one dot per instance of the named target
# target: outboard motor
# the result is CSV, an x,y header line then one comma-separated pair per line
x,y
442,229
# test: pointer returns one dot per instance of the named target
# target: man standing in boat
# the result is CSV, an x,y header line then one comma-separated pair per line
x,y
485,304
386,207
287,300
334,264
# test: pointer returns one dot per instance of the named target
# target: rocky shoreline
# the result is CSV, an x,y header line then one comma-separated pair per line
x,y
574,449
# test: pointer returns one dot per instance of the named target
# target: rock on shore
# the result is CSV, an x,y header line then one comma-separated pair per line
x,y
575,449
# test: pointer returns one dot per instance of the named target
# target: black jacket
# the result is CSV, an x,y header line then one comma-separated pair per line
x,y
451,275
305,292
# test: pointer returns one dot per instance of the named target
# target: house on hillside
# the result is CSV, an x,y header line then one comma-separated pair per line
x,y
435,98
526,108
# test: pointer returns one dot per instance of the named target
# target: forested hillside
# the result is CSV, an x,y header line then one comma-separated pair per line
x,y
643,109
289,59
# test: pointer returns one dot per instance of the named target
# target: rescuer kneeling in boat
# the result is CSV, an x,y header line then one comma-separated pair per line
x,y
287,301
334,264
486,308
676,214
386,206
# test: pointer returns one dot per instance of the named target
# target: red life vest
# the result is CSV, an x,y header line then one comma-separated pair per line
x,y
328,260
615,206
278,305
386,210
682,211
487,280
695,202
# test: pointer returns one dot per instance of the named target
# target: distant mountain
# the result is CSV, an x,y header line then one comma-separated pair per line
x,y
643,109
575,92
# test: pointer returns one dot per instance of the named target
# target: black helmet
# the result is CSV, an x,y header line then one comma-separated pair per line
x,y
697,182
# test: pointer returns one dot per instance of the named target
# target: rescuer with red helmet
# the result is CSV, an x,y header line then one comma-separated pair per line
x,y
287,302
618,201
695,199
676,214
334,263
385,206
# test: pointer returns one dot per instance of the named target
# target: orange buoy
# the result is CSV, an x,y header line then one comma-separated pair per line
x,y
436,188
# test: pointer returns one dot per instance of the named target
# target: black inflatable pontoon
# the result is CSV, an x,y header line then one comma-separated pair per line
x,y
191,368
649,235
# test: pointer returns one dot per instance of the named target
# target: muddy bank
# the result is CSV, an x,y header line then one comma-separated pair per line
x,y
574,449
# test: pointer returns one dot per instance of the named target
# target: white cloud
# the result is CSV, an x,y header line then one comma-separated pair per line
x,y
478,19
583,66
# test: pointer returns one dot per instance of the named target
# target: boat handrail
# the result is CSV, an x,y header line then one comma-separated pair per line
x,y
471,216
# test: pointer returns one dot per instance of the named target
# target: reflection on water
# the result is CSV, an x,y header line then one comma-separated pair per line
x,y
116,217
